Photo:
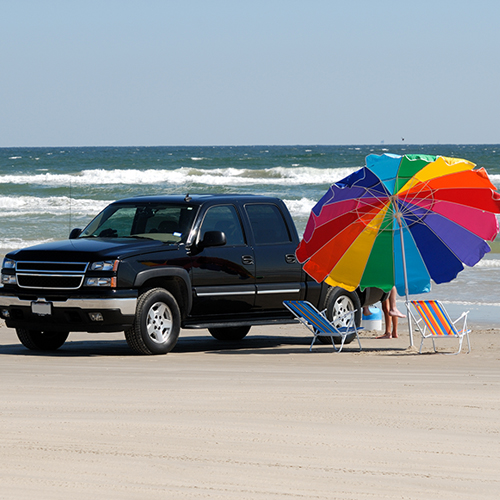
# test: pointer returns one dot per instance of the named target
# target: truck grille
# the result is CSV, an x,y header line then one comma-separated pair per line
x,y
51,275
60,267
48,281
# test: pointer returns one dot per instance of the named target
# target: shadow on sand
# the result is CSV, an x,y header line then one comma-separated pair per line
x,y
251,345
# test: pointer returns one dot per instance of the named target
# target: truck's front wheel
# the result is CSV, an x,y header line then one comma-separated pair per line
x,y
157,323
37,340
229,333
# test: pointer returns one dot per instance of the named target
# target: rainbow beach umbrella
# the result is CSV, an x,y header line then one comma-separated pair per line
x,y
401,221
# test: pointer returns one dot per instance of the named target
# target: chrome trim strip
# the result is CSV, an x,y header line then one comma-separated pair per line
x,y
126,306
214,294
275,288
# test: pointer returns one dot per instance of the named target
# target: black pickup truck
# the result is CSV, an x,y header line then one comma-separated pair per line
x,y
150,266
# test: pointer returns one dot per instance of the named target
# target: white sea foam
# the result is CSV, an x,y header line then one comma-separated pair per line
x,y
12,206
55,205
469,303
295,175
217,177
495,179
488,263
300,208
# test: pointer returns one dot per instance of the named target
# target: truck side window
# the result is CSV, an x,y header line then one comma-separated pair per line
x,y
268,224
224,218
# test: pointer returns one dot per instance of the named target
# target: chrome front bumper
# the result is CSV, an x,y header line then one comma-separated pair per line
x,y
125,305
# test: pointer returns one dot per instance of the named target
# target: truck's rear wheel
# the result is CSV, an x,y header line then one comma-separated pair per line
x,y
157,323
337,302
229,333
38,340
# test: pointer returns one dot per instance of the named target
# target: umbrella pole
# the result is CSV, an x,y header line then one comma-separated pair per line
x,y
406,282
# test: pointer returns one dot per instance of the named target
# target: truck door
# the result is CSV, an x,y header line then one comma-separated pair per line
x,y
278,274
224,276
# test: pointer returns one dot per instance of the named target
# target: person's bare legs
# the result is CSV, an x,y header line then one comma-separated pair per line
x,y
391,320
393,309
388,319
394,327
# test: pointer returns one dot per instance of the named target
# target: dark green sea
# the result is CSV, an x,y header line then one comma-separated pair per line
x,y
44,192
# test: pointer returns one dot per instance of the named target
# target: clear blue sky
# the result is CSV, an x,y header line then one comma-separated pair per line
x,y
238,72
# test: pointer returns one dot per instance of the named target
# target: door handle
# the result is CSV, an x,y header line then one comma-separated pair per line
x,y
290,258
247,259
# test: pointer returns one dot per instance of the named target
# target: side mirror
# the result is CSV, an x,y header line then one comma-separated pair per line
x,y
213,239
75,233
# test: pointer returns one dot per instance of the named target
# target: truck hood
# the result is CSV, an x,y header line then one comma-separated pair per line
x,y
88,249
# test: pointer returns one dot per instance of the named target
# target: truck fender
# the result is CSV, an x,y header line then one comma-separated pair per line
x,y
168,272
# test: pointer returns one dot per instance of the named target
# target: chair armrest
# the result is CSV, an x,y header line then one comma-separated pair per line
x,y
460,317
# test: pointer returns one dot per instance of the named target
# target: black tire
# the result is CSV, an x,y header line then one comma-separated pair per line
x,y
339,301
157,323
228,334
37,340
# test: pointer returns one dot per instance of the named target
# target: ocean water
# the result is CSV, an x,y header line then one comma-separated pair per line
x,y
45,192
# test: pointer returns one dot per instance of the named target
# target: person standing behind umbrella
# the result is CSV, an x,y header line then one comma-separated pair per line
x,y
391,315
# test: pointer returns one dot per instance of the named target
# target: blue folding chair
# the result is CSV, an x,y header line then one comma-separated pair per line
x,y
320,326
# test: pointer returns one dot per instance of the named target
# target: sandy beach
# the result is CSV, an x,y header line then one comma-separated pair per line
x,y
261,419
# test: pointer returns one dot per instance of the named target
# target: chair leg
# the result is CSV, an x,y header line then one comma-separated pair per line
x,y
334,346
312,343
460,342
342,343
454,353
359,342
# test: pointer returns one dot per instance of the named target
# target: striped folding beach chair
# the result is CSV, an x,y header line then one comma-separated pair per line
x,y
320,326
434,323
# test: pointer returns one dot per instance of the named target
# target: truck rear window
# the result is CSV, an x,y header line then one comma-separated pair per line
x,y
268,225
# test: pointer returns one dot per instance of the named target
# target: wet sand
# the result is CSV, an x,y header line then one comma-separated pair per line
x,y
260,419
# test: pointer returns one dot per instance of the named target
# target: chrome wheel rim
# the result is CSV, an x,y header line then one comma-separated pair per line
x,y
342,305
159,322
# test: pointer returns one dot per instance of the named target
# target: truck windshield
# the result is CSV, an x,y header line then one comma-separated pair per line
x,y
168,223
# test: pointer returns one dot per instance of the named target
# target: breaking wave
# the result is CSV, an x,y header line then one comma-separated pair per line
x,y
300,208
488,263
185,175
14,206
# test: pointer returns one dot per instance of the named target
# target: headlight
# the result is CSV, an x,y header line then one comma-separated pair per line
x,y
9,264
111,282
107,265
